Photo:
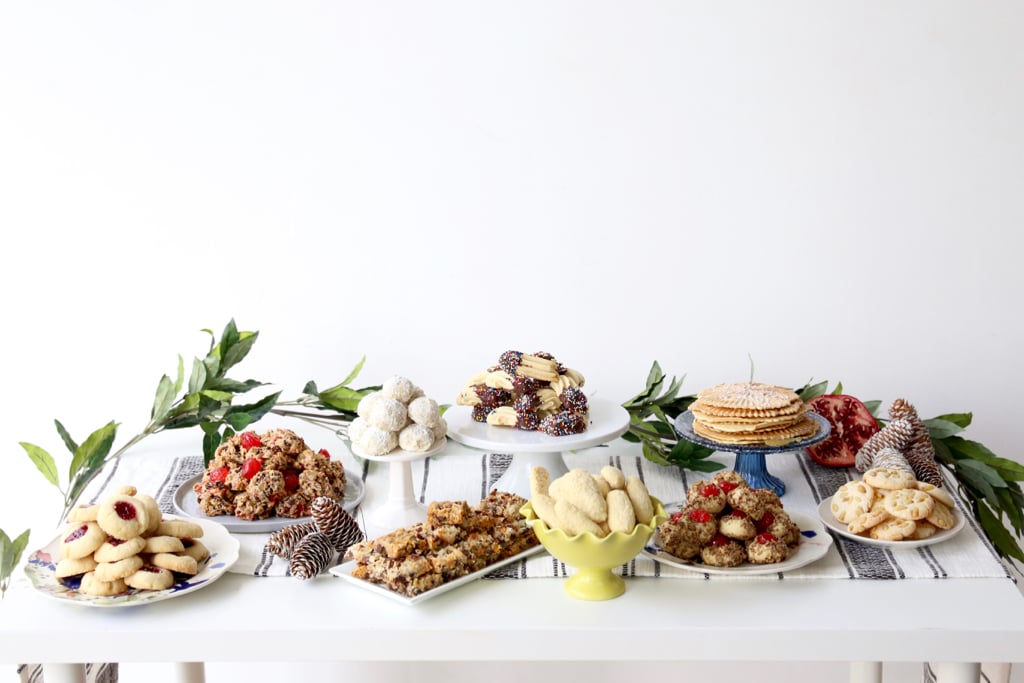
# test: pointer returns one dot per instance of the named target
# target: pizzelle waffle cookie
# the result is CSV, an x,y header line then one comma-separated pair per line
x,y
751,413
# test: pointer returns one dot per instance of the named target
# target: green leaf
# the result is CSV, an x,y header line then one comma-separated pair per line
x,y
210,443
1008,506
197,380
179,380
654,453
962,419
1009,470
810,391
239,421
838,389
654,377
43,461
256,410
238,351
873,407
93,450
233,385
66,437
631,437
997,533
164,399
940,429
310,388
705,466
219,396
984,471
353,374
341,397
10,556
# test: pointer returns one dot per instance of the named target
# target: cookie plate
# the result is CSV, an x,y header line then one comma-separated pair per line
x,y
345,572
825,512
814,545
42,565
186,504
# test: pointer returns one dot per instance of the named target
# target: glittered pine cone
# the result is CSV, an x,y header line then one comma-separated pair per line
x,y
311,556
332,520
283,541
920,452
897,435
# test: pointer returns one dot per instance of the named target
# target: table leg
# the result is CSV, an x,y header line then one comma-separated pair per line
x,y
865,672
188,672
957,672
64,673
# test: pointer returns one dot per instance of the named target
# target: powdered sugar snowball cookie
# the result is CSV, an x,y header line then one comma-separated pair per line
x,y
376,441
367,402
398,388
388,414
416,437
357,428
424,411
440,429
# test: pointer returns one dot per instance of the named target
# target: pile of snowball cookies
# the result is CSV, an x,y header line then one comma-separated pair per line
x,y
400,415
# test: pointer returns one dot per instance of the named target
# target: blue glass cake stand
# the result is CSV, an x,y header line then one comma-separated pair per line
x,y
750,460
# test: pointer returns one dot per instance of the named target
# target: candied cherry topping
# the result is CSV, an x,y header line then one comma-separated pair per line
x,y
766,521
709,490
720,540
114,541
250,467
218,474
125,510
740,514
291,481
324,452
76,534
151,568
677,516
250,440
766,538
727,486
699,515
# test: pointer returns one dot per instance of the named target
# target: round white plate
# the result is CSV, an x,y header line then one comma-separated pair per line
x,y
814,544
399,454
42,565
186,504
825,512
608,421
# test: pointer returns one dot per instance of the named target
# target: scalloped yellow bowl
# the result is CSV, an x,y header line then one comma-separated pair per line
x,y
594,558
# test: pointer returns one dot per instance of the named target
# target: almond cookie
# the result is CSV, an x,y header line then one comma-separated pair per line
x,y
940,495
614,476
544,508
924,529
177,563
602,485
871,518
150,578
851,500
892,529
641,499
81,540
890,479
179,528
122,517
114,549
111,571
621,516
909,504
74,567
92,586
540,480
573,520
942,516
578,487
163,544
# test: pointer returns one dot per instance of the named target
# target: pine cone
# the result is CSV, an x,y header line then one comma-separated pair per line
x,y
331,519
897,435
311,556
890,458
283,541
920,453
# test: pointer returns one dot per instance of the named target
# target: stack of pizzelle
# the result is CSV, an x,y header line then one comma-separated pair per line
x,y
890,505
751,414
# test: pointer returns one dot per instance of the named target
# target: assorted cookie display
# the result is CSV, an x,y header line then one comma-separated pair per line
x,y
889,504
310,547
400,415
579,502
455,540
256,476
124,543
533,392
751,413
725,523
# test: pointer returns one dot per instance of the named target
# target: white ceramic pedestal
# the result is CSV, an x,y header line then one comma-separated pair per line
x,y
608,421
400,508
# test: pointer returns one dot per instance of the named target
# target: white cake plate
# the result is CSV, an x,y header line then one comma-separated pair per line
x,y
401,508
608,421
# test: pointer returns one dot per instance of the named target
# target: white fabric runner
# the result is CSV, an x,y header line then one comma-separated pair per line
x,y
461,473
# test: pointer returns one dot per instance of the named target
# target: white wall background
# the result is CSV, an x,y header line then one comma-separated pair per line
x,y
833,189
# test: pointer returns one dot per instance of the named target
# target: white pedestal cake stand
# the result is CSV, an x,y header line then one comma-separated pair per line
x,y
401,508
608,421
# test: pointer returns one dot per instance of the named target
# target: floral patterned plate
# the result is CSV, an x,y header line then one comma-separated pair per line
x,y
42,564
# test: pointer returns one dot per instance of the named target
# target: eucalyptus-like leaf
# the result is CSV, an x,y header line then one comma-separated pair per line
x,y
164,399
69,443
997,533
809,391
630,437
258,409
216,395
239,421
310,388
983,471
43,462
963,448
197,380
654,377
351,375
962,419
93,450
238,351
653,452
210,443
1007,506
873,407
704,466
940,429
233,385
179,379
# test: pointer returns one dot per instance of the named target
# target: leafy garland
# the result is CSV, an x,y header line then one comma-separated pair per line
x,y
986,480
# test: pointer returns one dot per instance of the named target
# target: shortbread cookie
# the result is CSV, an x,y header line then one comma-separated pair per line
x,y
83,513
643,508
890,479
114,549
152,512
150,578
122,517
578,487
942,516
614,476
163,544
621,516
92,586
111,571
851,500
179,528
871,518
195,549
574,521
544,508
602,485
924,529
178,563
81,540
892,529
909,504
941,495
74,567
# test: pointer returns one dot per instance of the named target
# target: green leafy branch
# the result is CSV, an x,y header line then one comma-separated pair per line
x,y
651,415
333,408
10,556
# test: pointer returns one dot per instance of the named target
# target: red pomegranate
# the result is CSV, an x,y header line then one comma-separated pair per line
x,y
852,425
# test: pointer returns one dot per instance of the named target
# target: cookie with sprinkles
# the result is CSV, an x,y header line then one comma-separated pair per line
x,y
563,423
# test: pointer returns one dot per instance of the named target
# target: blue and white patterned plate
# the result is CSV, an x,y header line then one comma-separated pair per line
x,y
42,565
814,544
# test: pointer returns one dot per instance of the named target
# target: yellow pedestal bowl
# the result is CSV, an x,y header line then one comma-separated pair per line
x,y
594,558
